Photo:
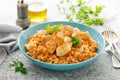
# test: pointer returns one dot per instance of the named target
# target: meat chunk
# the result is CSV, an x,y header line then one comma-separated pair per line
x,y
51,46
63,49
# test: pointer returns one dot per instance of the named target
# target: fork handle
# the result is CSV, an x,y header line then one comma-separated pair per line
x,y
116,54
116,47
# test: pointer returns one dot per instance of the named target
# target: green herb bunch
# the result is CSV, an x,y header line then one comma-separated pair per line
x,y
55,28
75,41
19,66
81,12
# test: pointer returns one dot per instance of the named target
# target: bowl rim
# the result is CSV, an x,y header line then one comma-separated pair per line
x,y
98,53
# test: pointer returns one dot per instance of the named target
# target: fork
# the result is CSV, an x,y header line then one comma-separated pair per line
x,y
109,36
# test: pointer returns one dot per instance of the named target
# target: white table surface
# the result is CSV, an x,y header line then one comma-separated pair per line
x,y
101,69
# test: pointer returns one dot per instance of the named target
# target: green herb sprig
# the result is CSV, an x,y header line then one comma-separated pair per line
x,y
81,12
75,41
19,66
54,28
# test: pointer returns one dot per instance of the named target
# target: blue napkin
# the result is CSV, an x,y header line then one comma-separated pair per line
x,y
8,39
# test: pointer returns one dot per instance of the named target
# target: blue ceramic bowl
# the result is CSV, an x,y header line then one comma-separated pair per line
x,y
22,40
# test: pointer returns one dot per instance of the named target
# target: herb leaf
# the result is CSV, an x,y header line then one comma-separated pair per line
x,y
23,70
47,27
54,28
17,69
19,66
75,41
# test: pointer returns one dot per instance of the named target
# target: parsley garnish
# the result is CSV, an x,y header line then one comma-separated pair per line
x,y
54,28
75,41
81,12
47,27
19,66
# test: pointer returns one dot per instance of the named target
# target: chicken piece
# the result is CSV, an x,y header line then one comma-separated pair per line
x,y
46,38
80,48
58,38
76,30
67,39
51,46
63,49
68,30
82,35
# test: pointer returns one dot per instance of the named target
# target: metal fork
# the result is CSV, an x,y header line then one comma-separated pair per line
x,y
116,61
109,36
